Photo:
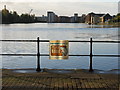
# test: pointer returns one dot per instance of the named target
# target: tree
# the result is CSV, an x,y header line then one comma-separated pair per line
x,y
116,18
5,16
15,17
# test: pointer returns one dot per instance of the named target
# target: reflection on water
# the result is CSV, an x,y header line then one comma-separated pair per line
x,y
59,31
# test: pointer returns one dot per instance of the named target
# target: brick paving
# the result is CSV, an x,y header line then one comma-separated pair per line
x,y
46,80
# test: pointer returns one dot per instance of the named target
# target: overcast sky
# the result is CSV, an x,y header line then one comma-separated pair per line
x,y
62,7
59,0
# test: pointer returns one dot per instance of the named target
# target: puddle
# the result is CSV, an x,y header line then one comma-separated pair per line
x,y
65,71
51,71
107,72
25,71
60,71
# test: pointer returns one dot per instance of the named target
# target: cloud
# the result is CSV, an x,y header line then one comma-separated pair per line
x,y
59,0
62,8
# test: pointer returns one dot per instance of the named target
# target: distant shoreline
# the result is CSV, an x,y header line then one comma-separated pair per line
x,y
110,24
102,25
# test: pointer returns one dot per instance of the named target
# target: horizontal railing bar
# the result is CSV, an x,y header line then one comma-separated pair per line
x,y
18,40
34,55
106,41
18,54
36,41
69,41
107,55
48,55
77,41
69,55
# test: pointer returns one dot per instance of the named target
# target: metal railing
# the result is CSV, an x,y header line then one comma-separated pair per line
x,y
91,55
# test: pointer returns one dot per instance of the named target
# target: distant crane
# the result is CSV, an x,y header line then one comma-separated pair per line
x,y
30,11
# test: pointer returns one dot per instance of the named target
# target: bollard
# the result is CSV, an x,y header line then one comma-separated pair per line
x,y
91,69
38,56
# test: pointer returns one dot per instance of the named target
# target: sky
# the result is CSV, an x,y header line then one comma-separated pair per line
x,y
59,0
62,7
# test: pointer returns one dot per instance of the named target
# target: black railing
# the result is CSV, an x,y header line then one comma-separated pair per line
x,y
39,54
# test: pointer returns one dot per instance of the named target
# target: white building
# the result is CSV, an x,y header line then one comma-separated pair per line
x,y
51,17
75,17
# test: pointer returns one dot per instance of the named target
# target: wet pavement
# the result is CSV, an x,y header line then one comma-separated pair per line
x,y
65,71
58,79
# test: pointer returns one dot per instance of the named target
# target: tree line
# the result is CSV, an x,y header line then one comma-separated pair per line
x,y
13,17
115,19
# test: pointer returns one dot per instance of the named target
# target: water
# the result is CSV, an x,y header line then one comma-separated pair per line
x,y
59,31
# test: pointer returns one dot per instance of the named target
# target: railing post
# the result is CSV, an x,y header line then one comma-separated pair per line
x,y
38,56
91,55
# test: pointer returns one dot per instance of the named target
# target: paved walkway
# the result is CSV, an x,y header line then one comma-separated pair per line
x,y
52,80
